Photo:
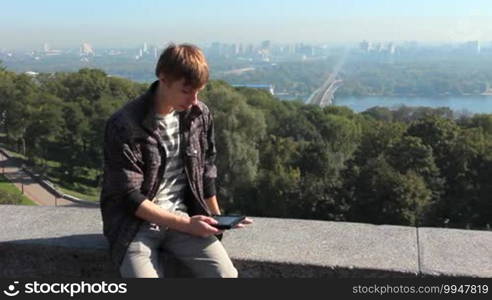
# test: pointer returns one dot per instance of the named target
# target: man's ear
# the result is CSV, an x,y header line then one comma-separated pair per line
x,y
165,80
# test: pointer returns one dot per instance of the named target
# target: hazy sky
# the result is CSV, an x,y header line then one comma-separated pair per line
x,y
121,23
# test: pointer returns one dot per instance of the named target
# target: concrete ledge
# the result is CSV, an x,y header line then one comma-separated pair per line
x,y
68,242
455,252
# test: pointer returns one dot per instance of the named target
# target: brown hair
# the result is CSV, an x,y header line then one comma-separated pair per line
x,y
183,61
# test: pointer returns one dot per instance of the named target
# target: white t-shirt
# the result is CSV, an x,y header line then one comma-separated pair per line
x,y
170,194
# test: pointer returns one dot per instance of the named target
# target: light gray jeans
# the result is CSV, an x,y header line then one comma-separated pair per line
x,y
147,254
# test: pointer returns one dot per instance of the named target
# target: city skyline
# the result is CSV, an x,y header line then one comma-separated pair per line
x,y
127,23
150,48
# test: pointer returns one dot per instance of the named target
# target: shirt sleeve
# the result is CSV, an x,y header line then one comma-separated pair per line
x,y
210,171
123,177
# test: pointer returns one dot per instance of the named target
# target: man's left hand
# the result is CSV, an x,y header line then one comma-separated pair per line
x,y
244,223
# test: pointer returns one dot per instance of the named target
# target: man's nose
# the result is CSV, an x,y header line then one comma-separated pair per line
x,y
194,99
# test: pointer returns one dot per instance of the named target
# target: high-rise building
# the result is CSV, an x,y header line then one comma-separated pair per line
x,y
266,45
50,52
291,49
365,46
250,49
235,49
215,49
391,48
86,49
305,50
265,50
379,47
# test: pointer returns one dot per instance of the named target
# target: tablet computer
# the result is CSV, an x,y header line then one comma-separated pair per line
x,y
227,222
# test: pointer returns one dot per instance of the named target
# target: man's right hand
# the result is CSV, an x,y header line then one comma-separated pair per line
x,y
200,226
197,225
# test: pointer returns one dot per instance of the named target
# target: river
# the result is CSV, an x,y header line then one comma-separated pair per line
x,y
473,104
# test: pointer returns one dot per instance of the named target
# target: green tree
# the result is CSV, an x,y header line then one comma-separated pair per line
x,y
44,126
383,195
239,128
278,185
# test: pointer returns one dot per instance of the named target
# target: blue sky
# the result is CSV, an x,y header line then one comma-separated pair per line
x,y
29,23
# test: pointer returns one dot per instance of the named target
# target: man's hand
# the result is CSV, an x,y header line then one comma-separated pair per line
x,y
200,226
244,222
197,225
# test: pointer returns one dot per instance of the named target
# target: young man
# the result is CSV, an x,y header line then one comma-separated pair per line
x,y
159,175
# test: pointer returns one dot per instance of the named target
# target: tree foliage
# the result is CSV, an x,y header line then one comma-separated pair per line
x,y
409,166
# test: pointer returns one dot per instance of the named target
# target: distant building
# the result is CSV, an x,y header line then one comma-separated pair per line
x,y
87,50
215,49
391,48
306,50
368,47
265,50
114,52
235,49
266,44
31,73
230,50
291,49
379,47
365,46
250,49
48,51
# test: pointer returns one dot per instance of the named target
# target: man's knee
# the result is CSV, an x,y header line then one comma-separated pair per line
x,y
227,270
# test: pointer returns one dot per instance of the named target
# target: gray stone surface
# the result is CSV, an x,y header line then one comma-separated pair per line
x,y
48,241
326,244
68,241
455,252
33,260
55,226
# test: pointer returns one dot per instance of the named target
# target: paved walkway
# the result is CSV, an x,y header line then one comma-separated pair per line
x,y
29,185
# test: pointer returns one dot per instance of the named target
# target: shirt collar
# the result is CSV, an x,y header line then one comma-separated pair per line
x,y
149,120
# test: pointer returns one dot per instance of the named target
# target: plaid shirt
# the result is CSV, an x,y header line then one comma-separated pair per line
x,y
134,163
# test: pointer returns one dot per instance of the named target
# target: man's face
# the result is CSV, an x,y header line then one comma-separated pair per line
x,y
178,95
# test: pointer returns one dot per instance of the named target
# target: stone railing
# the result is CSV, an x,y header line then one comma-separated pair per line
x,y
67,242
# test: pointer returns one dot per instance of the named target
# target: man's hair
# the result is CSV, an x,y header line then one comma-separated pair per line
x,y
183,61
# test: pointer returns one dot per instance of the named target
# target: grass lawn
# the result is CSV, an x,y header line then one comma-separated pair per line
x,y
91,197
72,187
6,185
